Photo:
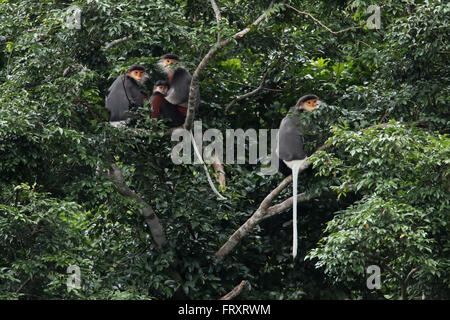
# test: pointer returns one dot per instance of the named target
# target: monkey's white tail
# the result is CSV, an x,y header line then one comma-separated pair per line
x,y
211,183
295,169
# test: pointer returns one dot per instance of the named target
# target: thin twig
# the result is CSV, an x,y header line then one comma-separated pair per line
x,y
9,60
117,41
251,86
248,94
411,273
22,285
320,23
66,71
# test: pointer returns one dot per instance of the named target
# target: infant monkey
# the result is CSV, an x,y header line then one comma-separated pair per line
x,y
161,108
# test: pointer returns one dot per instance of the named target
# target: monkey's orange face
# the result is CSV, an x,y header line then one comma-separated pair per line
x,y
137,74
168,62
311,104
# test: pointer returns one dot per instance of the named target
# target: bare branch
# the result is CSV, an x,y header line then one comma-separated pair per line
x,y
249,94
320,23
259,215
193,91
66,71
411,273
236,291
219,169
285,205
242,33
216,10
150,217
264,211
117,41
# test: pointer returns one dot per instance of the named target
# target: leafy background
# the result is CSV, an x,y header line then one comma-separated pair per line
x,y
381,191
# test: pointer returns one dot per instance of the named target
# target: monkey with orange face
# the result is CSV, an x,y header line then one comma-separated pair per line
x,y
291,146
125,94
174,106
293,129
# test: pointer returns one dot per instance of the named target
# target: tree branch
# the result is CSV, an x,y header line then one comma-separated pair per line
x,y
250,86
257,216
236,291
285,205
193,91
216,10
320,23
264,211
249,94
219,170
411,273
117,41
150,217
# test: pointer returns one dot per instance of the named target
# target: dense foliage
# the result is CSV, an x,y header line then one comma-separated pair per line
x,y
380,188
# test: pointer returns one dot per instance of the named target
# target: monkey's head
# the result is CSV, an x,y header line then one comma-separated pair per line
x,y
309,103
137,72
168,63
161,86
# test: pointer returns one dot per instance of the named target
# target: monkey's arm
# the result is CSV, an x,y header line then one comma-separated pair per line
x,y
178,93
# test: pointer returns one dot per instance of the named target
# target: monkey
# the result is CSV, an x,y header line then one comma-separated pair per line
x,y
176,101
159,92
161,108
179,80
290,147
125,94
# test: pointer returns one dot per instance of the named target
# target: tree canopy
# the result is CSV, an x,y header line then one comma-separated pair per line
x,y
376,192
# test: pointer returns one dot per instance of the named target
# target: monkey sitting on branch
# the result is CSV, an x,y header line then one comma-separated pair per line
x,y
290,146
179,83
161,108
125,94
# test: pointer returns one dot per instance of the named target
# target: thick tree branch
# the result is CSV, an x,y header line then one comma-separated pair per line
x,y
236,291
264,211
285,205
320,23
193,92
150,217
219,170
216,10
259,215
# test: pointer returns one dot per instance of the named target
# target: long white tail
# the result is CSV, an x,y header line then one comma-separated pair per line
x,y
211,183
295,169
